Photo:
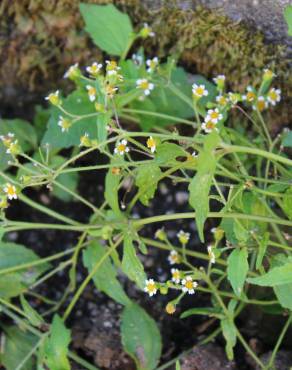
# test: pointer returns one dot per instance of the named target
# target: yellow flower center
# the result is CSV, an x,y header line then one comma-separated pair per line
x,y
91,91
176,275
199,91
10,190
110,90
189,284
121,148
210,125
54,99
261,104
273,95
170,308
66,124
214,115
250,96
151,143
222,100
151,287
112,65
144,85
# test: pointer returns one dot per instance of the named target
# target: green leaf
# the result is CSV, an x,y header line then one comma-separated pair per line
x,y
140,337
105,278
69,180
110,29
177,366
237,269
17,344
276,276
288,18
33,317
56,346
200,185
205,311
131,265
75,103
229,333
167,154
12,255
112,183
262,250
287,203
147,179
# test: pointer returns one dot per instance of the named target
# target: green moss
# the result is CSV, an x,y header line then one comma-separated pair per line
x,y
41,39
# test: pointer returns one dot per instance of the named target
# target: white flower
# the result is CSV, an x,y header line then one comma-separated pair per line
x,y
94,69
112,67
137,59
219,80
84,140
189,285
144,85
183,237
214,115
10,191
54,98
221,100
121,147
176,275
64,123
13,148
211,254
91,92
250,96
152,64
274,96
72,71
146,31
173,257
209,126
151,144
261,104
199,90
150,287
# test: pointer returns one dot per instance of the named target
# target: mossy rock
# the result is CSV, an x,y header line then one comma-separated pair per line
x,y
39,40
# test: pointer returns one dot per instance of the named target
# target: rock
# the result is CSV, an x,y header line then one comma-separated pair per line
x,y
283,360
206,357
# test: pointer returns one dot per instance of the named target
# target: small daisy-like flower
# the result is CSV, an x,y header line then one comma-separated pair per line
x,y
250,96
152,64
91,92
137,59
72,72
175,275
218,233
219,81
199,91
183,237
111,91
10,191
173,257
146,31
209,126
85,141
221,100
150,287
233,98
274,96
64,123
7,139
170,308
160,235
14,148
112,67
151,144
268,74
214,115
121,147
54,98
211,254
144,85
261,104
189,285
94,69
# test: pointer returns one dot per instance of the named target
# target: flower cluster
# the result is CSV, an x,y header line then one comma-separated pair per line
x,y
7,192
11,144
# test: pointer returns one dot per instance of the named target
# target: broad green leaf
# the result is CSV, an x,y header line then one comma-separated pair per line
x,y
229,333
14,283
167,154
287,203
205,311
33,317
177,366
131,265
69,180
17,344
288,18
200,185
56,346
111,194
140,337
110,29
105,277
75,103
275,276
240,232
237,268
147,179
262,250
